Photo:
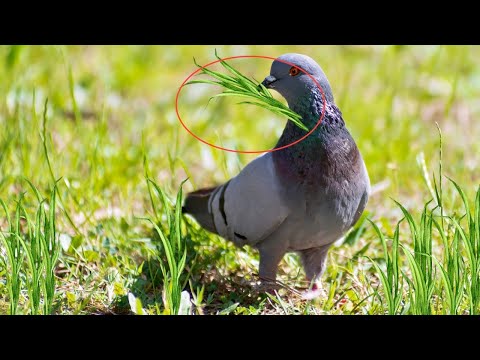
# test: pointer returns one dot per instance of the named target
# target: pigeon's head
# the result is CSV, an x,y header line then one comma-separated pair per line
x,y
289,75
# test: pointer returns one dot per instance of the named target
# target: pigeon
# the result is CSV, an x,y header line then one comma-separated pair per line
x,y
302,198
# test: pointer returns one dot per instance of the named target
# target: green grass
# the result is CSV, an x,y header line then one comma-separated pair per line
x,y
238,85
92,158
32,252
437,284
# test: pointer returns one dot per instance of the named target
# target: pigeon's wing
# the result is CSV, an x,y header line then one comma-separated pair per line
x,y
249,207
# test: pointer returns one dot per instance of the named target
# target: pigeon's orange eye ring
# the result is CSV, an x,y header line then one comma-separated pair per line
x,y
294,71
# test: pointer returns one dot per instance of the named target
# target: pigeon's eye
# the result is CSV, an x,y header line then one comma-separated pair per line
x,y
294,71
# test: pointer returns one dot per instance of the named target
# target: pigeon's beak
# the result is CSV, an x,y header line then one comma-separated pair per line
x,y
269,80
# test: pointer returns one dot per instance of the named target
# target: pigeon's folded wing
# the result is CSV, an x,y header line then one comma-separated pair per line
x,y
249,207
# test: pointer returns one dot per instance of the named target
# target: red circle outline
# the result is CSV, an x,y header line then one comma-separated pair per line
x,y
245,151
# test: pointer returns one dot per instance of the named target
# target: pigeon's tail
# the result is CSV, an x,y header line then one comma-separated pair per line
x,y
196,204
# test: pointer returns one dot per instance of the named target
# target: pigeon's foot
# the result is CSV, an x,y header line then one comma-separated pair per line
x,y
268,286
317,291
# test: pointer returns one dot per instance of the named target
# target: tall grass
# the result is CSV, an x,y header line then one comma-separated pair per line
x,y
436,285
469,235
32,252
172,249
391,278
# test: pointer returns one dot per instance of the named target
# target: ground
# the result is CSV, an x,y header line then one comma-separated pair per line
x,y
99,120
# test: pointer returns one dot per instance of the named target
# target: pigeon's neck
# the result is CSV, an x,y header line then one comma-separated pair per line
x,y
311,109
326,152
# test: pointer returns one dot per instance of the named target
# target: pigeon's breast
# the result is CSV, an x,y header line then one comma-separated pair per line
x,y
326,187
323,216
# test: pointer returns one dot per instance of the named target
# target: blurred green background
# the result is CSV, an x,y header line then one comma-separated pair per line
x,y
108,106
390,97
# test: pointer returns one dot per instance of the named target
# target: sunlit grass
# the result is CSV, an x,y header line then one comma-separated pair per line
x,y
32,252
444,283
238,85
109,107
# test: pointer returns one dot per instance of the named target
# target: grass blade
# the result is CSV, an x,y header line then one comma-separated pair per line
x,y
240,85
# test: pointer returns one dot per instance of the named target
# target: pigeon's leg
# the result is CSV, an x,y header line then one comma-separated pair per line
x,y
314,262
270,257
